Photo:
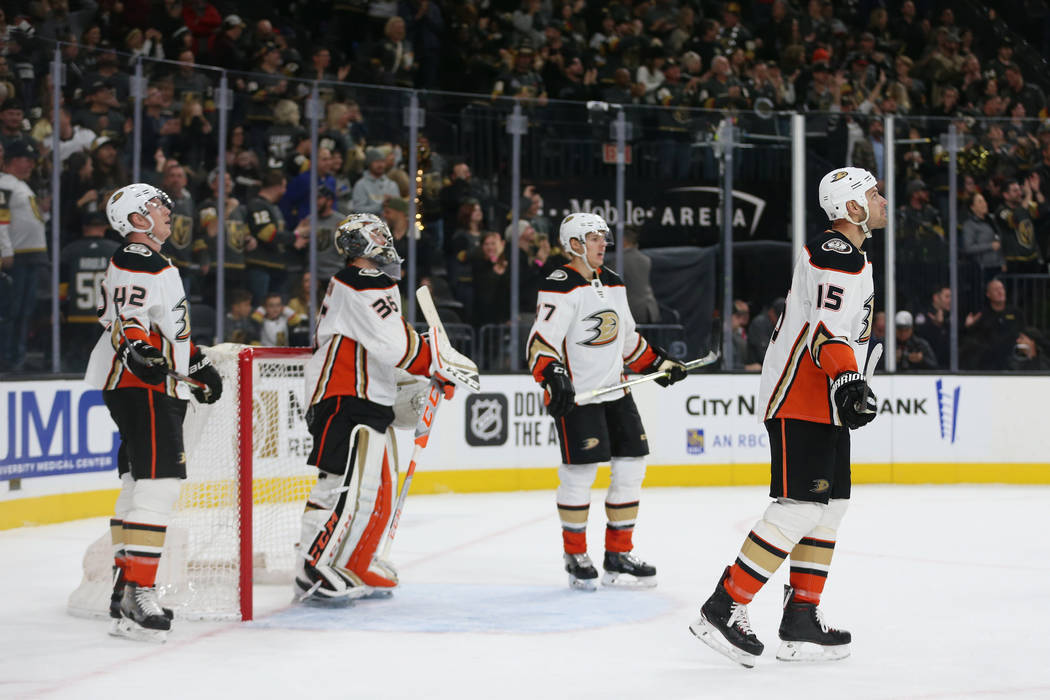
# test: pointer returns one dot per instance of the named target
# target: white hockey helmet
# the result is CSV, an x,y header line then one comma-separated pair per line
x,y
577,226
367,236
845,185
134,199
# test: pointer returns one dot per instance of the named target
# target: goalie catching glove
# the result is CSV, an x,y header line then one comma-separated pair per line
x,y
854,400
561,395
143,360
204,371
673,370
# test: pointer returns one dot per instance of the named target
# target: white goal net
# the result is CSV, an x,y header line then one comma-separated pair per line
x,y
237,518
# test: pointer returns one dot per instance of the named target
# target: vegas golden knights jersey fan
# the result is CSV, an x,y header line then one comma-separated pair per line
x,y
362,340
812,394
147,337
583,336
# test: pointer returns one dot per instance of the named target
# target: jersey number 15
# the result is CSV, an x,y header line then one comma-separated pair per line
x,y
829,298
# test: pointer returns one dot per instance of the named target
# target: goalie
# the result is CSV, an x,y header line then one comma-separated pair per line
x,y
362,341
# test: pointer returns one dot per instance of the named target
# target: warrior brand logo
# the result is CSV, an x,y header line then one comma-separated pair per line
x,y
486,420
820,486
947,410
605,329
837,245
694,441
589,444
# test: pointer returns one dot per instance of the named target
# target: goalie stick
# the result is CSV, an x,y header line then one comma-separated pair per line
x,y
708,359
448,361
177,376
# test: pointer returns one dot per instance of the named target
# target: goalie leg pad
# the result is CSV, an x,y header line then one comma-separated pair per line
x,y
144,527
574,502
371,497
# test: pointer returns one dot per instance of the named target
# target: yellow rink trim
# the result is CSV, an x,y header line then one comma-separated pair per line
x,y
58,508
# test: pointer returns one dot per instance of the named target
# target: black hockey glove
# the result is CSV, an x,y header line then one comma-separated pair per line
x,y
675,370
856,403
203,370
561,396
143,360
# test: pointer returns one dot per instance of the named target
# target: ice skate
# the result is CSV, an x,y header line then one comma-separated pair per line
x,y
723,625
582,574
805,636
142,618
625,570
119,582
326,587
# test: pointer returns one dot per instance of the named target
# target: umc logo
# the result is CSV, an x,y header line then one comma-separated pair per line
x,y
486,420
947,410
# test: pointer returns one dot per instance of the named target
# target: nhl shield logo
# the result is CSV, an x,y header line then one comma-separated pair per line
x,y
486,420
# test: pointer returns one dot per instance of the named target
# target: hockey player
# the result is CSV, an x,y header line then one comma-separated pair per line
x,y
147,337
583,336
361,339
812,394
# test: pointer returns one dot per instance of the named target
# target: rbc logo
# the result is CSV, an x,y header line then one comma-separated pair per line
x,y
694,441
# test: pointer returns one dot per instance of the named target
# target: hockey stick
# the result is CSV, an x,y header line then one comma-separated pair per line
x,y
708,359
451,363
177,376
869,372
435,393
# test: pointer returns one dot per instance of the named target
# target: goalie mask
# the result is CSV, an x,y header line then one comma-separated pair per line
x,y
366,236
846,185
135,199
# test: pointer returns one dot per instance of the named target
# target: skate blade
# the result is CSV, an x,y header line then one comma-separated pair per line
x,y
378,594
809,652
127,629
710,636
627,581
582,584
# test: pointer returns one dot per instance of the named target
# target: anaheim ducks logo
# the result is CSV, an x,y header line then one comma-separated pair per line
x,y
605,328
839,175
589,443
820,486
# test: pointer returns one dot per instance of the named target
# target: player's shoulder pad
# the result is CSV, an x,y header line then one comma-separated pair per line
x,y
609,278
832,251
362,280
136,257
562,280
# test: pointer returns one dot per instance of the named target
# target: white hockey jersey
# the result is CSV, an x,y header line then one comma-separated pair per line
x,y
361,337
587,326
824,331
145,288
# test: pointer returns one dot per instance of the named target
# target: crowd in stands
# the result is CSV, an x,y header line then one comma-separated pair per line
x,y
930,64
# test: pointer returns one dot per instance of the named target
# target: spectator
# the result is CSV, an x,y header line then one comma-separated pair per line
x,y
922,251
26,232
739,320
83,265
329,261
395,214
236,239
193,142
1017,217
636,269
102,113
295,205
878,336
225,47
1014,89
374,187
202,19
240,326
73,138
79,194
981,240
934,324
990,333
522,81
760,331
267,263
1030,352
491,282
393,57
11,122
466,242
275,321
913,352
186,250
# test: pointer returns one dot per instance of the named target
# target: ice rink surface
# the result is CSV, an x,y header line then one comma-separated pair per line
x,y
946,590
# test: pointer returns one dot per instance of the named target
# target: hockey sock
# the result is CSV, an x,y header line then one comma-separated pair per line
x,y
620,526
116,535
143,544
810,560
574,527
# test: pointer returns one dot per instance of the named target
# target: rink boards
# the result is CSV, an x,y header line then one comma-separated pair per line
x,y
57,443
